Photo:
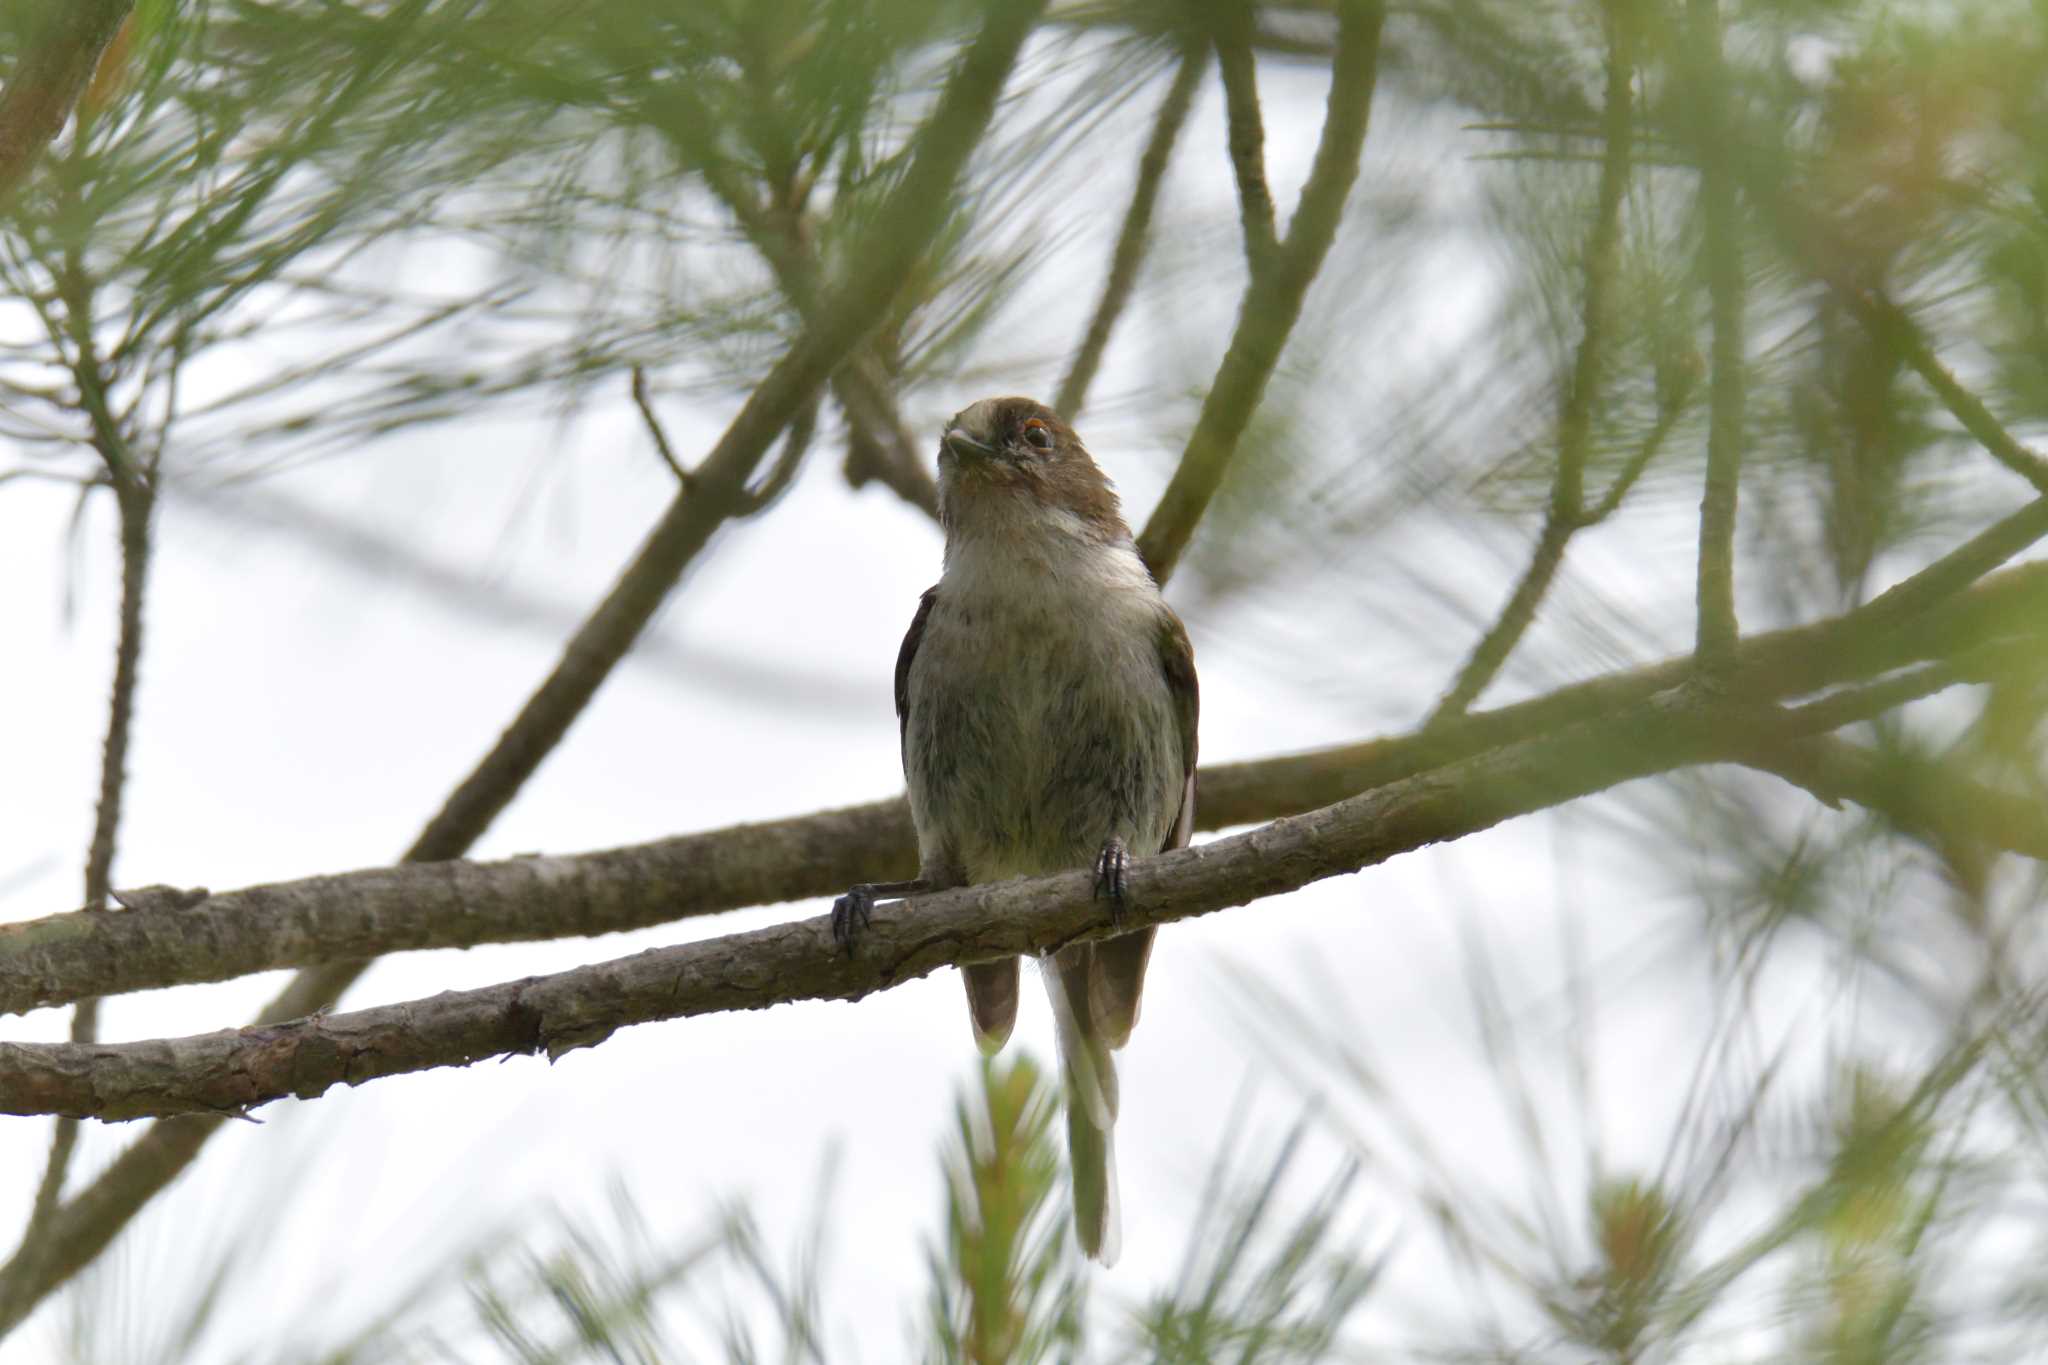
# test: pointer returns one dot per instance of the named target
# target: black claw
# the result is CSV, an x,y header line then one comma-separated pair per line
x,y
852,913
1109,877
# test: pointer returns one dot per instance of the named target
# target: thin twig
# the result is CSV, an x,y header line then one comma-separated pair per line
x,y
1135,234
1565,515
900,234
1231,31
796,442
654,428
1625,480
1718,629
1273,298
235,1069
174,939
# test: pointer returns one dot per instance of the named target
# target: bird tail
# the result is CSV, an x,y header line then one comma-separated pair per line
x,y
1091,1094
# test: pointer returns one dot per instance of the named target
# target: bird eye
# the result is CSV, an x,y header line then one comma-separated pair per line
x,y
1037,433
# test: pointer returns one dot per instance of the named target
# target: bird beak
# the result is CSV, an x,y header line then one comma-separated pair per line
x,y
965,446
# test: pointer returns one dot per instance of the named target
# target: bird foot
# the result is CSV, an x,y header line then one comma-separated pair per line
x,y
1109,877
852,913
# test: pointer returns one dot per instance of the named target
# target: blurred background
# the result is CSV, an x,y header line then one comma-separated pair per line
x,y
351,355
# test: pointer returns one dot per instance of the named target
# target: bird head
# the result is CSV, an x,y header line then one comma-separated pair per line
x,y
1015,463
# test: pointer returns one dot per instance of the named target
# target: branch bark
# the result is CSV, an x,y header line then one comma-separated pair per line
x,y
233,1070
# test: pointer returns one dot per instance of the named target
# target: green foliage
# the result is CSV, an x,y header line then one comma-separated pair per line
x,y
1262,1282
1007,1284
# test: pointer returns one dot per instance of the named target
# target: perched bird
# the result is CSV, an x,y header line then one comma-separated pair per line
x,y
1047,703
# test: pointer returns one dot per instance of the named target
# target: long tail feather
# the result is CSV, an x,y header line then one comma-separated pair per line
x,y
1091,1094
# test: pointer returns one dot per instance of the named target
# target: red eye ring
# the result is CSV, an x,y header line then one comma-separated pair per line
x,y
1038,434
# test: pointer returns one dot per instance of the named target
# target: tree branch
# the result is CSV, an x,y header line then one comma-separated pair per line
x,y
655,432
900,234
170,939
230,1071
1273,298
1717,625
1133,237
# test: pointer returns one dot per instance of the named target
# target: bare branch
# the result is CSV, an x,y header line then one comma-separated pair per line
x,y
1723,228
1273,299
229,1071
1133,237
654,428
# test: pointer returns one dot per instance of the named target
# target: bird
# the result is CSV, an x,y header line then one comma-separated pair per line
x,y
1047,709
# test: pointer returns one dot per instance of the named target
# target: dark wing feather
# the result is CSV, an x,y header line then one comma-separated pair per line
x,y
1116,981
1177,658
911,639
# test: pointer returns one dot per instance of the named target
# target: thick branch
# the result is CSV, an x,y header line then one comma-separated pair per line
x,y
166,941
229,1071
1273,298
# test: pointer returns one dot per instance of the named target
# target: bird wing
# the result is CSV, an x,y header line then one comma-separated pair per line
x,y
1116,977
1177,661
912,638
